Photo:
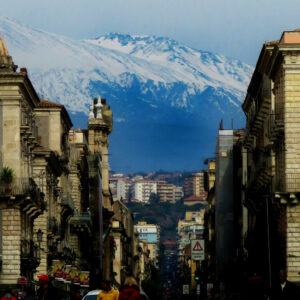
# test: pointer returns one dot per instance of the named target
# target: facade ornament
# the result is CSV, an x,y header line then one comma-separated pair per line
x,y
99,108
6,62
91,114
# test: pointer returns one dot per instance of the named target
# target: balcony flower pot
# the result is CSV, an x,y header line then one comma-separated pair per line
x,y
7,177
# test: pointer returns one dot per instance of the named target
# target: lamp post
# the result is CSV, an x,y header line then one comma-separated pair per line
x,y
39,236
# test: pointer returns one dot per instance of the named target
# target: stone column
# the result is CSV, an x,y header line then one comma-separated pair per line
x,y
117,262
11,246
293,242
41,223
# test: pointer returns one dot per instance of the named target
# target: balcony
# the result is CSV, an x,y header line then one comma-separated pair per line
x,y
29,132
255,123
67,203
81,223
30,257
53,226
276,128
262,174
25,191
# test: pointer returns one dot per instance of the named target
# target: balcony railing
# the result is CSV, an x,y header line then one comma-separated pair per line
x,y
30,256
262,173
21,187
276,127
67,200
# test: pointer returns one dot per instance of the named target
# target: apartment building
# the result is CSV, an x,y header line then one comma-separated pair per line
x,y
151,234
142,189
272,108
124,188
194,185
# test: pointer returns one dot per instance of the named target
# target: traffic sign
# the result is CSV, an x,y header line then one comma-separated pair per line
x,y
185,289
198,289
197,250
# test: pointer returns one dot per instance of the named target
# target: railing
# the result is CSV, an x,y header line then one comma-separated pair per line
x,y
81,218
67,200
30,256
262,162
276,126
20,186
53,225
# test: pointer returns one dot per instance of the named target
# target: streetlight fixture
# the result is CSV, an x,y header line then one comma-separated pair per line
x,y
39,236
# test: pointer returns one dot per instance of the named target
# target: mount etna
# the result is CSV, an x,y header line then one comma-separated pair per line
x,y
167,98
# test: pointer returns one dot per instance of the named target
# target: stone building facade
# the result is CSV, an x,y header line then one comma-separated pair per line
x,y
272,107
54,189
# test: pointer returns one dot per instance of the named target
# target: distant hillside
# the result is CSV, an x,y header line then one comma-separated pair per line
x,y
164,214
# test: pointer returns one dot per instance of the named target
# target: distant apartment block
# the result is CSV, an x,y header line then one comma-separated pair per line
x,y
151,234
194,185
142,189
168,192
124,188
178,193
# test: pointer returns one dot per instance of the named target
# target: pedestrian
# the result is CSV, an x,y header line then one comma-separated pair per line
x,y
285,290
256,288
8,295
46,290
29,294
107,292
130,290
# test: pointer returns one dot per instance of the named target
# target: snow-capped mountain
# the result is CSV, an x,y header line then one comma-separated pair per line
x,y
167,98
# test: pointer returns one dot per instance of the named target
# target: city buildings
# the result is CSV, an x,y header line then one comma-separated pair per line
x,y
151,234
169,192
272,108
227,203
143,188
190,228
194,185
56,213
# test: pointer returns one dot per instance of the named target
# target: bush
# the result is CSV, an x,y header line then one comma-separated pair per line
x,y
7,175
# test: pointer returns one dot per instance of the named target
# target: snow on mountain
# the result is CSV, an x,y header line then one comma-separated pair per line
x,y
146,79
107,58
188,65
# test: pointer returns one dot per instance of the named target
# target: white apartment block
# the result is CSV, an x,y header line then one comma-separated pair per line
x,y
123,188
143,189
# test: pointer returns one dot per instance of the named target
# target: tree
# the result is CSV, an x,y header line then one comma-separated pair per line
x,y
154,199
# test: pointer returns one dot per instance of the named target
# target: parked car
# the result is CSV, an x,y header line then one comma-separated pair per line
x,y
92,295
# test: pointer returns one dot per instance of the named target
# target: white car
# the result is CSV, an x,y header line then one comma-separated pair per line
x,y
92,295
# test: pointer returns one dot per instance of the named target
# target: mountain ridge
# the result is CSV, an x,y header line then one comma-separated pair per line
x,y
167,98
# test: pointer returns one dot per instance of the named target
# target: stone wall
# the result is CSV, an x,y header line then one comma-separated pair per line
x,y
11,248
292,130
293,242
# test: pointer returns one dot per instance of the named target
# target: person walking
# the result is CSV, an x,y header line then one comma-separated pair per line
x,y
108,293
285,290
46,291
130,290
8,295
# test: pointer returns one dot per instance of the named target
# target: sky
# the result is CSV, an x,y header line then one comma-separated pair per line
x,y
233,28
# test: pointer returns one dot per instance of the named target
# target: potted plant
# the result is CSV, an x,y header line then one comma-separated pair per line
x,y
7,177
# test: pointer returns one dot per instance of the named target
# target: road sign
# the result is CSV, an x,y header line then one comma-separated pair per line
x,y
185,289
197,249
198,289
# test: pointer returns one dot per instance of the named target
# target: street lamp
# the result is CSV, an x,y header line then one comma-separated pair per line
x,y
39,236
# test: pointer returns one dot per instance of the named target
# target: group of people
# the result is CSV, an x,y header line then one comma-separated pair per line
x,y
129,291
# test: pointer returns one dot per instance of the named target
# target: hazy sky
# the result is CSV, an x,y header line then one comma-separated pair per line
x,y
236,28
